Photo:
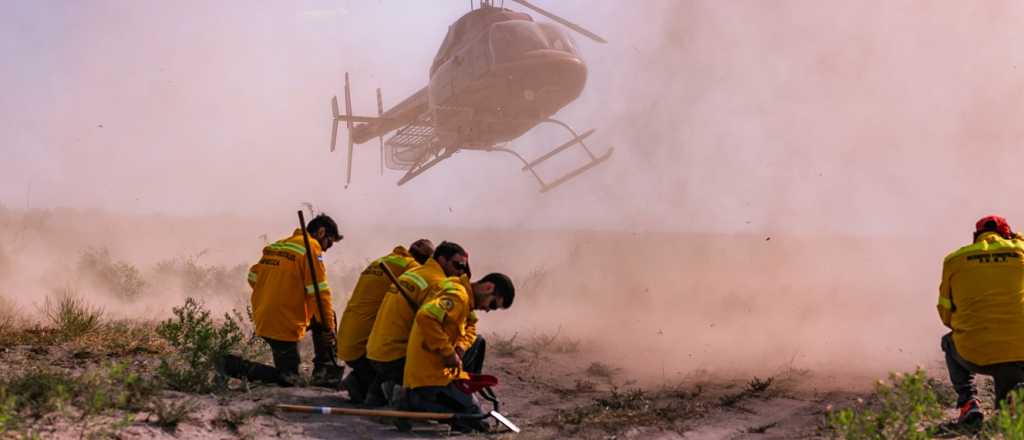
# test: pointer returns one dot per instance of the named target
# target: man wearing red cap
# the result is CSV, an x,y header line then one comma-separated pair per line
x,y
981,299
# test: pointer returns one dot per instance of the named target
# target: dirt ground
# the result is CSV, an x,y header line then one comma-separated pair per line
x,y
549,395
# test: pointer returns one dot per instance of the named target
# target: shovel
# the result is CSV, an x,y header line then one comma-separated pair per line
x,y
485,392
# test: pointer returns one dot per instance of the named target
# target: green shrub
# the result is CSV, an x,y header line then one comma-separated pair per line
x,y
198,342
909,408
71,315
120,278
1008,422
41,391
201,279
115,387
8,411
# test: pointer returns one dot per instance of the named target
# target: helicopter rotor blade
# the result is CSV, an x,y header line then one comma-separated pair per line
x,y
562,21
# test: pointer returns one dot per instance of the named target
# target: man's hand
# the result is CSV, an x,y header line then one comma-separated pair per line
x,y
452,361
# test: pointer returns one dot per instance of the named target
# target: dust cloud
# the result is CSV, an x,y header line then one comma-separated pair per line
x,y
787,176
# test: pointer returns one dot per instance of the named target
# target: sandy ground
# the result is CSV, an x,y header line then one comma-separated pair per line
x,y
549,395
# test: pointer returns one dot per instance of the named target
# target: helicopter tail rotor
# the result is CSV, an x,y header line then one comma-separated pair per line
x,y
562,21
334,122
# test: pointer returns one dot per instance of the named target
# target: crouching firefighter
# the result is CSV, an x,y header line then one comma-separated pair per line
x,y
361,312
386,346
434,366
980,300
285,305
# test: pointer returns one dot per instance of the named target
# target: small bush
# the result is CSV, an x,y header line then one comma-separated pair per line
x,y
8,411
907,409
115,387
234,419
42,391
1008,423
758,385
9,319
170,413
71,315
120,278
602,370
198,342
200,279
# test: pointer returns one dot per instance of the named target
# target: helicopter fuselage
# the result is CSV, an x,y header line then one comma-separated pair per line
x,y
502,82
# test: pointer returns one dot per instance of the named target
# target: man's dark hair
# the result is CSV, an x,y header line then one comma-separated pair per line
x,y
502,287
421,250
326,222
448,249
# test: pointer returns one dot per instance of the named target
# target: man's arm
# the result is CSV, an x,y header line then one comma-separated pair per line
x,y
468,336
325,289
431,317
945,305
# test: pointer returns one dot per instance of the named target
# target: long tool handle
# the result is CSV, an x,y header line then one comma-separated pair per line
x,y
401,289
312,273
365,412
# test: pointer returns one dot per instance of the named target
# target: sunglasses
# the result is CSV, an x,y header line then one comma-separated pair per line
x,y
460,265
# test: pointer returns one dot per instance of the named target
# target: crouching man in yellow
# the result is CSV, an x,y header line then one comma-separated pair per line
x,y
360,313
432,363
387,344
284,307
981,299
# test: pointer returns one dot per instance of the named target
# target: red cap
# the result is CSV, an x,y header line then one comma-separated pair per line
x,y
993,223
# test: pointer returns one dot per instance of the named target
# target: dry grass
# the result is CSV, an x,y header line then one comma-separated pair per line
x,y
617,411
70,315
171,413
234,419
533,346
10,317
602,370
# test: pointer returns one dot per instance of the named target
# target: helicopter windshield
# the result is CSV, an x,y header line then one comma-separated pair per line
x,y
558,39
469,26
511,39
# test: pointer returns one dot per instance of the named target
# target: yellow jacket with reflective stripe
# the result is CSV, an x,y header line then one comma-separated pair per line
x,y
981,297
439,325
394,318
282,289
361,310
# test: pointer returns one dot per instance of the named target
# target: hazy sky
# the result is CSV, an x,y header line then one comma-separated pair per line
x,y
751,116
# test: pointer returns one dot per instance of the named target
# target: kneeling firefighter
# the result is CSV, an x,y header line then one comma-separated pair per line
x,y
287,301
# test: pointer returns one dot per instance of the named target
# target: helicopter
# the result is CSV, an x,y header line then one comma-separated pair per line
x,y
497,75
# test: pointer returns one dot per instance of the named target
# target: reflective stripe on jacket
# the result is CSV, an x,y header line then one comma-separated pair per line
x,y
439,325
394,318
981,298
361,310
283,300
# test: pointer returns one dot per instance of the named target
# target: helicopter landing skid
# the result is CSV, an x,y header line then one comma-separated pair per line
x,y
576,139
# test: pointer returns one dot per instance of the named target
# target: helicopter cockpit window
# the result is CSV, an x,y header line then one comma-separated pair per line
x,y
511,39
558,39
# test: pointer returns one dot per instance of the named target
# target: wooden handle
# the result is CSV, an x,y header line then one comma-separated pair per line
x,y
365,412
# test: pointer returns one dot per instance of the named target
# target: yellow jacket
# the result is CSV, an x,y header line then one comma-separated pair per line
x,y
282,290
361,310
440,323
394,318
981,298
